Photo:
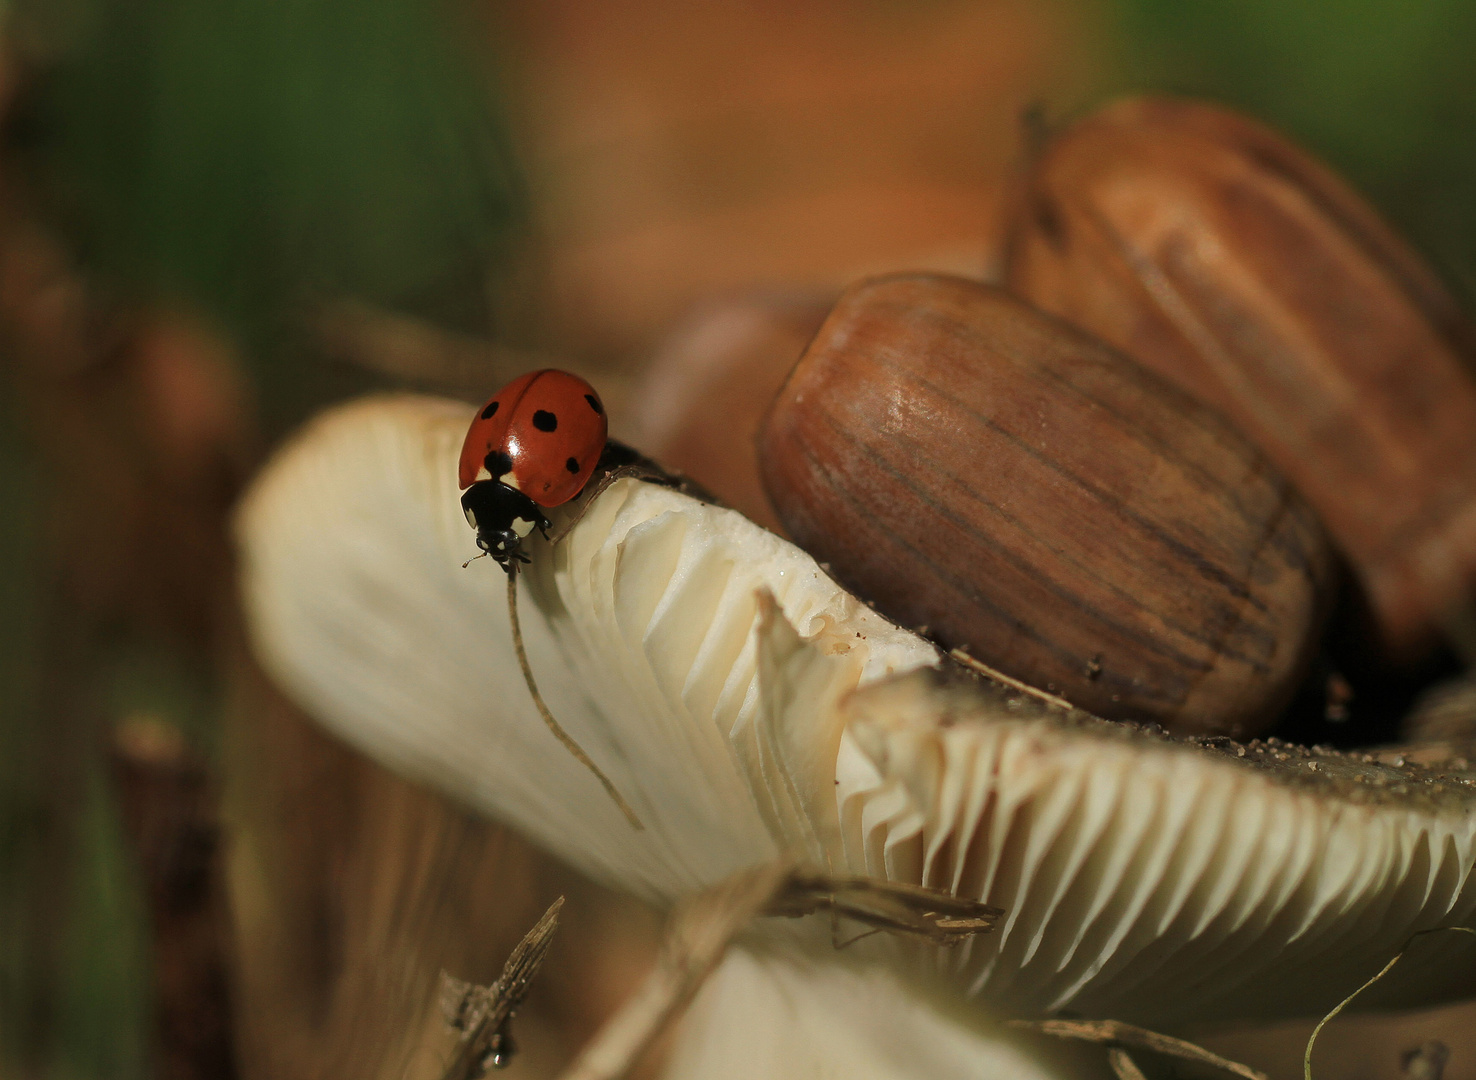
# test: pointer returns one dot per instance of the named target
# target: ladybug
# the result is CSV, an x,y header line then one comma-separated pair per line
x,y
533,446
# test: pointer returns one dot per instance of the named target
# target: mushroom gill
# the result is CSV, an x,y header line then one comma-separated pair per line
x,y
1155,879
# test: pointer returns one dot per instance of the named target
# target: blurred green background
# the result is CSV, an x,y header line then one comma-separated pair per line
x,y
250,156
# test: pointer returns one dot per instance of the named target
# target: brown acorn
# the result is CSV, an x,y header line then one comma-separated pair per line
x,y
972,465
1224,258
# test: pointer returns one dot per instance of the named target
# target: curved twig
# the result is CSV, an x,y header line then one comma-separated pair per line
x,y
548,717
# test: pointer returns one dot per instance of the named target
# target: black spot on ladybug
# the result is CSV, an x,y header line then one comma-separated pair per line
x,y
489,410
594,403
544,420
572,465
498,463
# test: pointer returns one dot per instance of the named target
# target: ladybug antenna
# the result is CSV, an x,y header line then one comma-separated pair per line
x,y
548,718
474,558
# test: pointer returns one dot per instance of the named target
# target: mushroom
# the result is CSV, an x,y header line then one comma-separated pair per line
x,y
747,706
640,628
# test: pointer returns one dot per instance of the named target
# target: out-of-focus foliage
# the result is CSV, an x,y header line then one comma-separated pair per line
x,y
247,155
73,995
1383,89
249,158
19,772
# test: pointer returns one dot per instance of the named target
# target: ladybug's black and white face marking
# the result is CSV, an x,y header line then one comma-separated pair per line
x,y
503,518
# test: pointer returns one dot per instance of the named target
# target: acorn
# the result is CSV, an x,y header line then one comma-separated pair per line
x,y
1227,260
984,471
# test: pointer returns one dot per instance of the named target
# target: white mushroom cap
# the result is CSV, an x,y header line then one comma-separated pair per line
x,y
1144,879
640,629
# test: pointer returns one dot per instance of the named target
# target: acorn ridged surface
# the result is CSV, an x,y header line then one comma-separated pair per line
x,y
973,466
1226,259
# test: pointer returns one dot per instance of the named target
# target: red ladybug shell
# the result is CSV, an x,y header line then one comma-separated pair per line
x,y
552,428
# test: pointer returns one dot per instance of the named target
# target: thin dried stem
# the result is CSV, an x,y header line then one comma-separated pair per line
x,y
1008,680
1123,1065
1116,1034
482,1013
548,717
1312,1039
905,909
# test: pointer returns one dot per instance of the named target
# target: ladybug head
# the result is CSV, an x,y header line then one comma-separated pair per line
x,y
503,545
502,517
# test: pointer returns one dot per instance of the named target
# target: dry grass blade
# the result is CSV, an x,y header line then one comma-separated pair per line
x,y
995,675
701,930
907,909
1123,1065
481,1013
1119,1036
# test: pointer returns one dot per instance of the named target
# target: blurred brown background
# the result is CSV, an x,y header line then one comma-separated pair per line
x,y
216,218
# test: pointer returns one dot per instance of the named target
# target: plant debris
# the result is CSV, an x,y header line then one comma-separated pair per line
x,y
995,675
1119,1037
904,909
482,1015
1312,1039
